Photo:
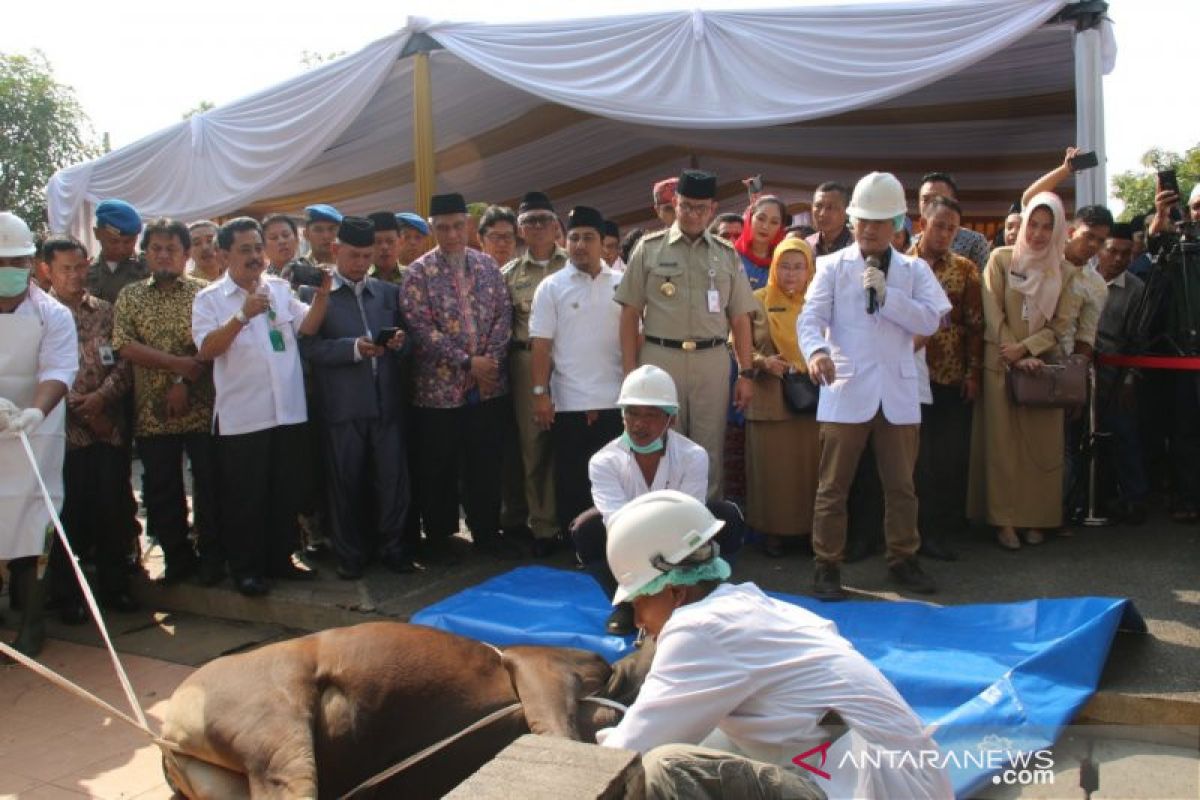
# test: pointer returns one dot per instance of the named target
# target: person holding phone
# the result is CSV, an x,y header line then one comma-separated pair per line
x,y
356,358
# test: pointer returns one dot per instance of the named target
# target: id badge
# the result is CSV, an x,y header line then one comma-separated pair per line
x,y
714,301
107,357
277,341
1025,310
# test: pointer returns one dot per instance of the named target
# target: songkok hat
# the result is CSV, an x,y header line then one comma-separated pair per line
x,y
356,232
610,229
118,216
664,191
585,217
1121,230
322,213
535,201
408,218
383,221
452,203
697,185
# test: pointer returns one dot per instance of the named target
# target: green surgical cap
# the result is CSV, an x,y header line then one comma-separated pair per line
x,y
717,569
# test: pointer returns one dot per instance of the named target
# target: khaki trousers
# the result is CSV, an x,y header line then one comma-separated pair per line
x,y
537,454
842,445
702,382
679,771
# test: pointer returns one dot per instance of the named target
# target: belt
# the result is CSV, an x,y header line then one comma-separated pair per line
x,y
519,345
686,344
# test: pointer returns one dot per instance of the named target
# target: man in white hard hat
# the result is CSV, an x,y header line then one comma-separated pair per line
x,y
648,456
753,676
39,357
864,308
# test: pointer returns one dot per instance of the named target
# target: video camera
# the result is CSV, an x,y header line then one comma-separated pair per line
x,y
1167,320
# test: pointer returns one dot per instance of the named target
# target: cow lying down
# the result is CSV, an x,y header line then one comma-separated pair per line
x,y
317,715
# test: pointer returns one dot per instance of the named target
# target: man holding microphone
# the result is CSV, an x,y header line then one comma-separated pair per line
x,y
864,307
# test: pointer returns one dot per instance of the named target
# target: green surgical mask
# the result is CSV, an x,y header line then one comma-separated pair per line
x,y
642,449
13,281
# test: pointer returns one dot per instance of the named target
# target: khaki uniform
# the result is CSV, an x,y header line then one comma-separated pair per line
x,y
522,277
669,278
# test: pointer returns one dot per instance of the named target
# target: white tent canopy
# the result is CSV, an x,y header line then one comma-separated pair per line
x,y
594,111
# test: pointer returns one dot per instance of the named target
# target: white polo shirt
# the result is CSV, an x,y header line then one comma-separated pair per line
x,y
577,312
257,387
616,478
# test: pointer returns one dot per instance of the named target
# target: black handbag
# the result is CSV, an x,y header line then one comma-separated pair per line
x,y
800,393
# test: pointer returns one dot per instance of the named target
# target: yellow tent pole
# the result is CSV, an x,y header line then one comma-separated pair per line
x,y
422,126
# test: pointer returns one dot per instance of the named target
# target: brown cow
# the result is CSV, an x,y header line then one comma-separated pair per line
x,y
317,715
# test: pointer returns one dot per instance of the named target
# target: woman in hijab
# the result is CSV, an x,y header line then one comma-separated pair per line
x,y
764,226
1017,451
782,451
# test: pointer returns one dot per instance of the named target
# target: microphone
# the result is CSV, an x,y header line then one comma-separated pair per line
x,y
872,300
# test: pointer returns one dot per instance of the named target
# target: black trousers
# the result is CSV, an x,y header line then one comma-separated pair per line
x,y
96,520
591,539
575,442
460,452
367,486
166,500
943,462
261,498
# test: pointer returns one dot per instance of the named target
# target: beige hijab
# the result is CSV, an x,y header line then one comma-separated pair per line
x,y
1035,273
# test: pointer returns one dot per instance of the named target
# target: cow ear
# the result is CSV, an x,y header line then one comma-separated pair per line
x,y
629,673
548,682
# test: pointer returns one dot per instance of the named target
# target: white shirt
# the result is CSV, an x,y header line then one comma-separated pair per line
x,y
616,478
58,353
577,313
765,673
257,388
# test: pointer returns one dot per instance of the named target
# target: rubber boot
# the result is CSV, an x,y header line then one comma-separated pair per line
x,y
31,635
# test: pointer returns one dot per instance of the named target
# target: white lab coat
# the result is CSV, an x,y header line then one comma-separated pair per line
x,y
872,353
764,673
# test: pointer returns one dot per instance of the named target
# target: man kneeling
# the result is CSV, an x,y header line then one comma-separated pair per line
x,y
760,674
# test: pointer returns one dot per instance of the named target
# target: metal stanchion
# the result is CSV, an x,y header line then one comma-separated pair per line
x,y
1093,519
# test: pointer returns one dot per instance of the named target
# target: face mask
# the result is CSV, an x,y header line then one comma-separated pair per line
x,y
644,450
13,281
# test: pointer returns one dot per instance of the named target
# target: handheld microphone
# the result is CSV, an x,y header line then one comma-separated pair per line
x,y
872,300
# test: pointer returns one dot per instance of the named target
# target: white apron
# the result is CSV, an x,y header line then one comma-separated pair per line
x,y
24,519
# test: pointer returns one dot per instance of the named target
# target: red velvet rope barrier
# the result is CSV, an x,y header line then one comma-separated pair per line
x,y
1150,362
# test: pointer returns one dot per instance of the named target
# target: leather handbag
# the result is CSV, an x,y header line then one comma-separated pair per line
x,y
1053,386
800,393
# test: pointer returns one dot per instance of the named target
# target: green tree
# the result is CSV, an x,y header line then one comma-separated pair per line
x,y
1136,188
201,107
42,129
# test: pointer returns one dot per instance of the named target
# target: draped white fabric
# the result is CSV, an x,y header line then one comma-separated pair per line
x,y
593,111
742,69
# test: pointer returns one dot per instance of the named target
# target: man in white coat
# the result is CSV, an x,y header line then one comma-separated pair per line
x,y
751,677
39,356
864,307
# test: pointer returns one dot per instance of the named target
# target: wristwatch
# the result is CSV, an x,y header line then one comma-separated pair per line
x,y
241,317
538,391
749,372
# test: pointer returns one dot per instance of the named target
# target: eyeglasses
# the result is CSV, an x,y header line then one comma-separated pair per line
x,y
500,237
540,221
693,209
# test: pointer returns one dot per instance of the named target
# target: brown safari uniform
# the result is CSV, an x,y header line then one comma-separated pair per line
x,y
669,278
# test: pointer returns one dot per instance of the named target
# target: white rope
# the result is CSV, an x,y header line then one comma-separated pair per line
x,y
604,701
87,593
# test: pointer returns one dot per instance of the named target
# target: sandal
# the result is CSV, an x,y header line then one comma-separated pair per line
x,y
1007,538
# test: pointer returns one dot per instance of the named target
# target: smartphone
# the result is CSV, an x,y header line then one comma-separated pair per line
x,y
1084,161
753,185
384,336
1167,181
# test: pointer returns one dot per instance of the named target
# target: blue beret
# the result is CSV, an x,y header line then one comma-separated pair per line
x,y
413,221
118,215
323,213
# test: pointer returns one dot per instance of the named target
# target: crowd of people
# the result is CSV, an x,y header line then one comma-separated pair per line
x,y
812,379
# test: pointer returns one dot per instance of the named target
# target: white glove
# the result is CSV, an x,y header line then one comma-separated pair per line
x,y
26,420
874,278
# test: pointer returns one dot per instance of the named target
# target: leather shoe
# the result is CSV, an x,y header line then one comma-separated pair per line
x,y
180,568
620,621
122,602
440,551
544,548
497,547
935,547
401,565
252,586
827,583
908,573
293,572
74,614
212,571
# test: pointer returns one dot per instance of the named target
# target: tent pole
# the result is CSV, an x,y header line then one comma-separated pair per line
x,y
422,126
1091,186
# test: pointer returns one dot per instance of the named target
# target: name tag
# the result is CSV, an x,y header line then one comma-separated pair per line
x,y
1025,310
107,357
714,301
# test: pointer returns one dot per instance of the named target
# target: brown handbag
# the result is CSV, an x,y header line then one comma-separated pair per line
x,y
1061,385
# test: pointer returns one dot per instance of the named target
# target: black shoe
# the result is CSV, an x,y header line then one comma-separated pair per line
x,y
211,571
317,551
74,613
543,548
620,621
935,547
252,586
401,565
827,583
518,533
293,572
122,602
908,573
498,547
180,568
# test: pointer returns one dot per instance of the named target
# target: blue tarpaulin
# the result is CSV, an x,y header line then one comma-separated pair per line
x,y
1004,676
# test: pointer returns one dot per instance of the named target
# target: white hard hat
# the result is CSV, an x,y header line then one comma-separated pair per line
x,y
877,196
648,385
652,533
15,237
